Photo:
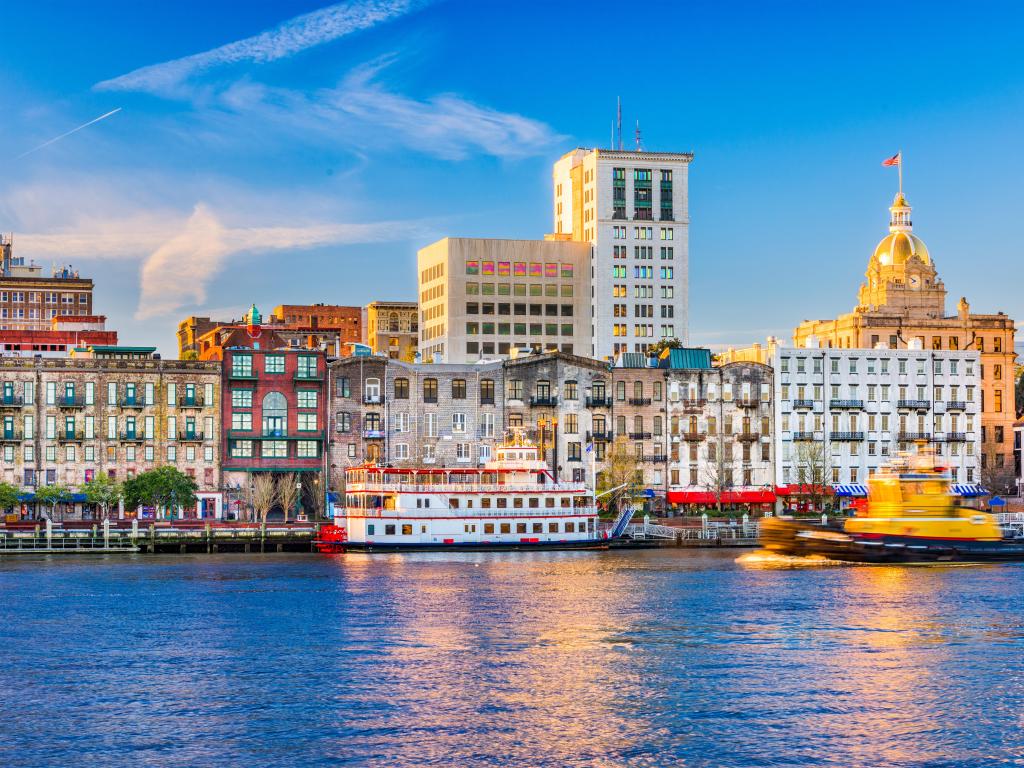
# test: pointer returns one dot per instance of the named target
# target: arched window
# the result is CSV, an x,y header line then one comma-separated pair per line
x,y
275,414
393,322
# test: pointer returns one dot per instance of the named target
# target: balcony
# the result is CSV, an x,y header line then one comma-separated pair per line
x,y
693,406
748,436
132,402
70,436
310,376
747,402
639,401
655,459
909,437
848,437
639,435
191,402
802,403
190,437
803,436
373,434
131,437
600,437
599,402
913,405
693,437
845,404
543,401
956,437
70,402
956,405
373,399
10,436
12,401
242,374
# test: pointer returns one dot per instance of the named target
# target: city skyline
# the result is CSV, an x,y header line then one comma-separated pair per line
x,y
343,138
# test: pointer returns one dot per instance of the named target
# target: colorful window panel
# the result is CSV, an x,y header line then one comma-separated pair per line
x,y
536,269
567,270
520,269
472,267
550,270
488,267
504,268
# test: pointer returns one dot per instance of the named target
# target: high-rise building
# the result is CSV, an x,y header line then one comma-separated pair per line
x,y
29,300
481,298
633,208
902,305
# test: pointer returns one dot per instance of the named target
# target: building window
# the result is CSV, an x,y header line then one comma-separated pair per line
x,y
430,390
401,389
307,367
275,415
306,449
241,365
458,389
274,449
306,398
273,364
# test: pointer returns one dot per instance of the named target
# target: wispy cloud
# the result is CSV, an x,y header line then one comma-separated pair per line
x,y
288,38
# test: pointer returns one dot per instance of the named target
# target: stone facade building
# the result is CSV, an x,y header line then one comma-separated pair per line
x,y
639,413
63,421
392,328
903,303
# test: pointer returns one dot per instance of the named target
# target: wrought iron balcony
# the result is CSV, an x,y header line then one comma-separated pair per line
x,y
956,437
196,401
543,401
132,402
72,436
654,459
906,437
748,436
846,436
71,402
10,436
373,399
913,405
639,435
747,402
639,401
601,437
693,437
956,405
693,405
12,401
803,403
599,402
190,437
131,437
848,404
803,436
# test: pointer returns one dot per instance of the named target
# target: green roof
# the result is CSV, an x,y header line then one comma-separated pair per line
x,y
633,360
686,357
106,348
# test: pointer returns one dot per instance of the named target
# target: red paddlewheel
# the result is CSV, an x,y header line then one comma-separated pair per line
x,y
332,539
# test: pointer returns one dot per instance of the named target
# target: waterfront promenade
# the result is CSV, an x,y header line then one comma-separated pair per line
x,y
640,659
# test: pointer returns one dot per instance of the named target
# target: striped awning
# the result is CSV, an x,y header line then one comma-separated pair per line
x,y
968,490
851,489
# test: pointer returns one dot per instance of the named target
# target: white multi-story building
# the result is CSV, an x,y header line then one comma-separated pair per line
x,y
633,208
841,413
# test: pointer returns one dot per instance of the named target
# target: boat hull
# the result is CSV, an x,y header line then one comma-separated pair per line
x,y
798,539
479,546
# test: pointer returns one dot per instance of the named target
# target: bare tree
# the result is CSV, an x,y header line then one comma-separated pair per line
x,y
813,467
288,492
264,493
998,481
315,495
622,467
717,471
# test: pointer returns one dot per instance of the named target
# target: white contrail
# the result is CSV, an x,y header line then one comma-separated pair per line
x,y
73,130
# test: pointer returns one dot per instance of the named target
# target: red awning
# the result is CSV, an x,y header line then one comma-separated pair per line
x,y
803,490
761,496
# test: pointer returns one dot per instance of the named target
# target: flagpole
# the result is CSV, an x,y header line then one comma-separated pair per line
x,y
899,167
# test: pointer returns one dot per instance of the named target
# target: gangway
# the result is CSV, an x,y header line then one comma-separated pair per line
x,y
646,530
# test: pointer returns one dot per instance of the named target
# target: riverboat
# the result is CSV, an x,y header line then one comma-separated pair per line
x,y
512,502
911,515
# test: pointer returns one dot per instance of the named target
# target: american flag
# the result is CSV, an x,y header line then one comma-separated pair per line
x,y
894,160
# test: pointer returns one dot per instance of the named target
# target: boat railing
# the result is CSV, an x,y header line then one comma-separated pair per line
x,y
475,512
428,488
1009,517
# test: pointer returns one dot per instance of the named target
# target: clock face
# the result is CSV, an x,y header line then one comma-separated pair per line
x,y
915,281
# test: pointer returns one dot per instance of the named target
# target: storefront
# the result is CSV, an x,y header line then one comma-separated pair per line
x,y
699,502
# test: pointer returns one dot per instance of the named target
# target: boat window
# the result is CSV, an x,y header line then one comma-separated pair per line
x,y
517,502
534,502
407,529
506,527
453,503
389,530
488,527
538,527
485,502
570,527
423,529
565,502
520,527
370,529
502,502
549,501
552,527
469,503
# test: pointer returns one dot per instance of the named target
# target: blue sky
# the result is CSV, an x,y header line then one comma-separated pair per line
x,y
296,152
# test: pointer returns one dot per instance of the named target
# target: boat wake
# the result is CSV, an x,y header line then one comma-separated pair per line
x,y
766,559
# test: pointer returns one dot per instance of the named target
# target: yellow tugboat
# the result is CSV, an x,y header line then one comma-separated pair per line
x,y
911,516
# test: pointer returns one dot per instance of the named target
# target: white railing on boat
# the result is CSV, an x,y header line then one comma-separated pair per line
x,y
1010,517
465,488
469,514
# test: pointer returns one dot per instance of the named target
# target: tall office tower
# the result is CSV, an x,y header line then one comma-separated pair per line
x,y
633,208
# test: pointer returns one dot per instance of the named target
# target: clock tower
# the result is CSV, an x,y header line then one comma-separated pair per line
x,y
901,277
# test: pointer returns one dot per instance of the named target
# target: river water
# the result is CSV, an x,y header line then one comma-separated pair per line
x,y
653,658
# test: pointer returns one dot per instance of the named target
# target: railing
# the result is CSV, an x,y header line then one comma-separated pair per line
x,y
956,405
70,437
914,405
428,488
10,436
373,434
308,376
747,402
373,399
639,401
911,436
845,404
14,401
803,435
956,437
606,436
693,405
846,436
131,437
544,401
803,403
746,532
191,437
651,531
70,402
693,436
751,436
241,375
132,402
599,402
639,435
655,459
191,402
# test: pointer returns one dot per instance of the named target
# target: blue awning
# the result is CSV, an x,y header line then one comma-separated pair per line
x,y
995,501
851,489
968,490
333,497
74,498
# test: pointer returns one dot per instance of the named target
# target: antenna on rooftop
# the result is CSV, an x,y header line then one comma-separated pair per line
x,y
639,145
619,122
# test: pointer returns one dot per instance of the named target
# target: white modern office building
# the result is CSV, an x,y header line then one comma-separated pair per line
x,y
841,413
633,208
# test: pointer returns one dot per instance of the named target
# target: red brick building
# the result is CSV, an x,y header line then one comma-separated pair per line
x,y
274,414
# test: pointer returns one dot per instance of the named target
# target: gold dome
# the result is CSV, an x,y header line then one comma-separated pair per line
x,y
896,249
899,201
